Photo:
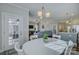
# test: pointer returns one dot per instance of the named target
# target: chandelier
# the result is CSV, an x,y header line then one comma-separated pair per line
x,y
71,16
43,14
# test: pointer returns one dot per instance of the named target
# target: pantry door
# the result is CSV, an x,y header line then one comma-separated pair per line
x,y
13,29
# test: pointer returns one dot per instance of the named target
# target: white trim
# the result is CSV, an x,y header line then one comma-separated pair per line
x,y
18,6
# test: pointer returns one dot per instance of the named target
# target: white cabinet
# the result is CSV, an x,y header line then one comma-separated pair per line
x,y
12,29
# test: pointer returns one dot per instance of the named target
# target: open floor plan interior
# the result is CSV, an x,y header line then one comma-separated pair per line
x,y
39,28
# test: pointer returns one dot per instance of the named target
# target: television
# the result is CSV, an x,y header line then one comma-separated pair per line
x,y
31,26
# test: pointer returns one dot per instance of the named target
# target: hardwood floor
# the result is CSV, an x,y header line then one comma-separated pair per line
x,y
9,52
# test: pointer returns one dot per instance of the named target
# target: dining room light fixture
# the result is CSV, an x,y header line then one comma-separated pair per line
x,y
69,15
39,13
67,22
48,14
42,13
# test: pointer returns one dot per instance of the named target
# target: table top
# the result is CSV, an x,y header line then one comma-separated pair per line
x,y
38,47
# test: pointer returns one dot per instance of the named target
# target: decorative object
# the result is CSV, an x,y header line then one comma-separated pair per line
x,y
42,13
45,37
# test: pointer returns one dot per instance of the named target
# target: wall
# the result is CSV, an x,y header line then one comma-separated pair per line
x,y
49,24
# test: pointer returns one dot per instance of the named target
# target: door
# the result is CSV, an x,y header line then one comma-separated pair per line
x,y
13,29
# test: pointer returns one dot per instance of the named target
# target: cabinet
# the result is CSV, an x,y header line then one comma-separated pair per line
x,y
12,29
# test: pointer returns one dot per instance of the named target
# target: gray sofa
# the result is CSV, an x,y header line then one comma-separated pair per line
x,y
64,35
41,33
68,36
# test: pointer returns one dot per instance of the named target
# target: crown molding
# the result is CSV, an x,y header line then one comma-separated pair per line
x,y
18,6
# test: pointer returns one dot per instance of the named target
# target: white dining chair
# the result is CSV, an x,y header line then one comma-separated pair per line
x,y
68,49
56,36
32,37
19,49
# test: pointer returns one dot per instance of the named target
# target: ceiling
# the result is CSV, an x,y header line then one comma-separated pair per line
x,y
58,11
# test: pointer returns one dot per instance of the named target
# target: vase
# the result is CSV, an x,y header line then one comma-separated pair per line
x,y
45,40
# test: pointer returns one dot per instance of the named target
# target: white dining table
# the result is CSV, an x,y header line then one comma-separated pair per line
x,y
39,47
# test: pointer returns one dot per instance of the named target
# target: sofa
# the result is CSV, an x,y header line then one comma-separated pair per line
x,y
41,34
68,36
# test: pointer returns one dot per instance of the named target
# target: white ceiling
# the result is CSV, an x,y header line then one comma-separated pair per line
x,y
58,10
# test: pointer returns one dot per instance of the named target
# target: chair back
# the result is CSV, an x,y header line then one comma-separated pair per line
x,y
19,49
69,48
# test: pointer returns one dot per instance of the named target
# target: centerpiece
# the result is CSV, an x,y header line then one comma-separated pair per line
x,y
45,37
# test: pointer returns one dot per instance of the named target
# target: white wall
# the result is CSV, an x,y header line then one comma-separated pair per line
x,y
49,24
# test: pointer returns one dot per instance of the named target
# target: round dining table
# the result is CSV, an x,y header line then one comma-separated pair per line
x,y
39,47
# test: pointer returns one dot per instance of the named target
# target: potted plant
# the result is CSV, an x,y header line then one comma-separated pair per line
x,y
45,37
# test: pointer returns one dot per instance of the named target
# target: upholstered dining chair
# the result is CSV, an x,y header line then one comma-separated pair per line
x,y
69,48
19,49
